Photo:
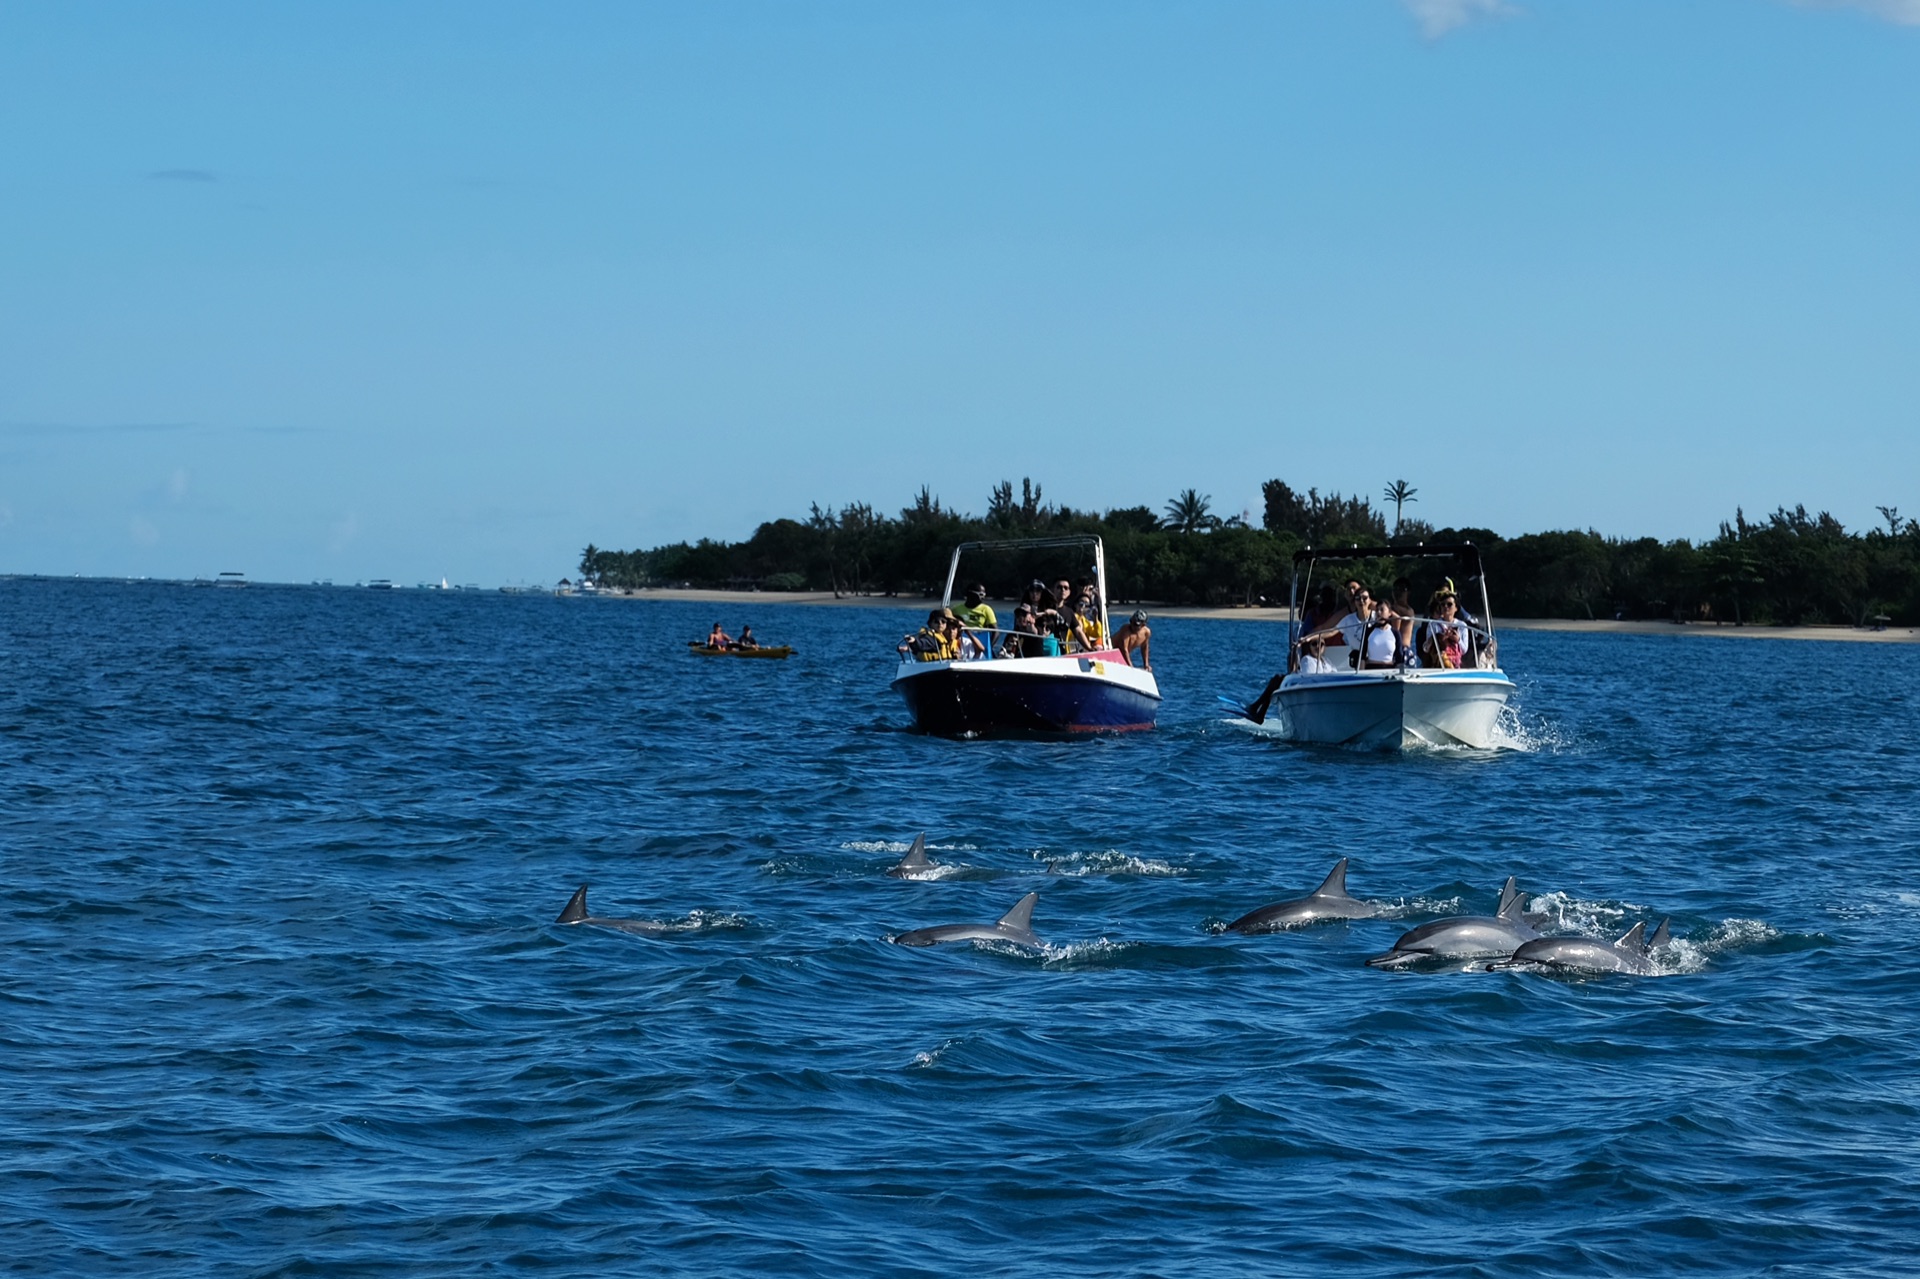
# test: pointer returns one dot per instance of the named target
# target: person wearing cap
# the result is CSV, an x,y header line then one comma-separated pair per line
x,y
961,645
976,613
1027,639
1136,634
929,643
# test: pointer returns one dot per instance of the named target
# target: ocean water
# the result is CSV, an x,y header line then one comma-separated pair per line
x,y
282,991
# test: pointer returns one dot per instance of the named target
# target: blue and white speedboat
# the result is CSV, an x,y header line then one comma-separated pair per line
x,y
1396,707
1096,691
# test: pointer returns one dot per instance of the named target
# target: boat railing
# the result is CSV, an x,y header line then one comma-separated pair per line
x,y
1480,633
991,639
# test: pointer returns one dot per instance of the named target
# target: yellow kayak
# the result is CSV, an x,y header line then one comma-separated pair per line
x,y
776,653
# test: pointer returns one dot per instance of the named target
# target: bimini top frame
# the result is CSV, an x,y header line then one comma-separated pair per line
x,y
1037,544
1466,554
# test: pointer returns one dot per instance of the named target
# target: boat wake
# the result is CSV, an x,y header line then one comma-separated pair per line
x,y
1110,862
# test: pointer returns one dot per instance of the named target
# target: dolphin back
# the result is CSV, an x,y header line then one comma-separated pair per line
x,y
1661,937
576,910
916,858
1511,901
1020,918
1335,884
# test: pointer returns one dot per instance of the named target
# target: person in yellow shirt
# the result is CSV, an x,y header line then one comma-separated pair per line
x,y
976,614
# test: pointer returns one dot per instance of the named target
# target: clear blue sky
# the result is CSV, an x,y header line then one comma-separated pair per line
x,y
409,290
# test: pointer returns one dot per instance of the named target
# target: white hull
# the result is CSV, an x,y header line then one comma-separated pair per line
x,y
1394,709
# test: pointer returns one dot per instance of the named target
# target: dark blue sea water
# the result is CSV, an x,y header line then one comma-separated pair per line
x,y
283,994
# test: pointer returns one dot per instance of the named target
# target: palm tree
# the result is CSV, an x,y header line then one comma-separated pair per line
x,y
1188,513
1400,493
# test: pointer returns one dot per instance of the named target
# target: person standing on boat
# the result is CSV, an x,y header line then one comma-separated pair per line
x,y
1136,634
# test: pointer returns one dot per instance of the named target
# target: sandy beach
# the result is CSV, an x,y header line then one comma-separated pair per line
x,y
730,602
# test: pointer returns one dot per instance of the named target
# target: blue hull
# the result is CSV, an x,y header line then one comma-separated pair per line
x,y
978,701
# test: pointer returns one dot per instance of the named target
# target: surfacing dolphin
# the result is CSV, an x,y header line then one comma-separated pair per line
x,y
1329,901
1015,926
576,913
1633,953
1492,936
916,864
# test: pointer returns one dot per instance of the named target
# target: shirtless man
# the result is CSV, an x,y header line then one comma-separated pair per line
x,y
1136,634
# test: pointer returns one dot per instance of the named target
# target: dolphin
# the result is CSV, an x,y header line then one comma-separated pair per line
x,y
916,864
576,913
1492,936
1015,926
1633,953
1329,901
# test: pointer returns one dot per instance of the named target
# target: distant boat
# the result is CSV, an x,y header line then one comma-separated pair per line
x,y
778,652
380,584
231,578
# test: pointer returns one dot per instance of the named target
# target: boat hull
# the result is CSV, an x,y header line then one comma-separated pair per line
x,y
777,654
1029,696
1396,709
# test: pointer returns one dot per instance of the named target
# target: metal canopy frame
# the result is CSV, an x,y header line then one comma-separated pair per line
x,y
1466,552
1038,544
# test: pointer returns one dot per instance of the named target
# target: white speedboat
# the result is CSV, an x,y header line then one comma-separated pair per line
x,y
1096,691
1393,707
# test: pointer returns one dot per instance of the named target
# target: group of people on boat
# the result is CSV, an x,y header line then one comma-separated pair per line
x,y
1056,621
718,639
1384,632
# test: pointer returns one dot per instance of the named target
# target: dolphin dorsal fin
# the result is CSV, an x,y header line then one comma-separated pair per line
x,y
916,858
1661,936
1336,883
576,908
1636,938
1021,916
1511,899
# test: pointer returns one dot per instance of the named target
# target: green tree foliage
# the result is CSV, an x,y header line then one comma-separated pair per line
x,y
1400,493
1189,513
1314,520
1790,567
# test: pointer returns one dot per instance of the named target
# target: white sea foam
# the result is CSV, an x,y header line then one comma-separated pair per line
x,y
927,875
900,846
1567,913
1071,954
1110,862
931,1056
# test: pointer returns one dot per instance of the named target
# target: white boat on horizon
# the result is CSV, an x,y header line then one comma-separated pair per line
x,y
1395,706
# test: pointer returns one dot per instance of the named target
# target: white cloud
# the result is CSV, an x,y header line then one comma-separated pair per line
x,y
1437,17
1906,13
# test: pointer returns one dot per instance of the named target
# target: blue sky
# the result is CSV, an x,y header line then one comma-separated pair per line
x,y
420,290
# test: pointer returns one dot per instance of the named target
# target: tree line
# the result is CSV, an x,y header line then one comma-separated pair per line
x,y
1789,567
